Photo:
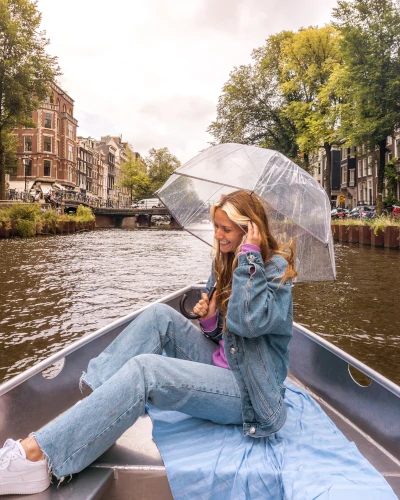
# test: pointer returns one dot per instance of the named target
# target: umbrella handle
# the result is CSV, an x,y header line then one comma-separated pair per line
x,y
192,315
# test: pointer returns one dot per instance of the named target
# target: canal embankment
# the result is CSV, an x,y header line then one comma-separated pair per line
x,y
379,232
27,220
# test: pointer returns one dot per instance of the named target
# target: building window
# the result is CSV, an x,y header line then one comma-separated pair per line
x,y
48,120
70,131
344,175
27,143
369,165
47,168
70,152
364,167
389,140
70,174
58,148
58,125
352,177
359,168
369,192
47,143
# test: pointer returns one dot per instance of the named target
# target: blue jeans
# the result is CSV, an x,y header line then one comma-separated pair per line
x,y
132,371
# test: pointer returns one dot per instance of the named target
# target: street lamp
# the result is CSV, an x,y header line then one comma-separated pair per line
x,y
25,160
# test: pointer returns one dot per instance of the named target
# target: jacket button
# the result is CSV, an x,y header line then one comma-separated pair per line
x,y
245,389
252,257
252,430
232,350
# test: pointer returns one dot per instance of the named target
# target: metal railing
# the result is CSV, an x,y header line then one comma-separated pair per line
x,y
58,197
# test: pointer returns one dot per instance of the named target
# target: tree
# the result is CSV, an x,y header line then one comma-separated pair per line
x,y
370,42
10,142
251,108
26,71
160,165
134,177
391,177
308,60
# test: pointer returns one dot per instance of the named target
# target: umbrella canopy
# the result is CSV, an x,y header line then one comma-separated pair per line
x,y
296,204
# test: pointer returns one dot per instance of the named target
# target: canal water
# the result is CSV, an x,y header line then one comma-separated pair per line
x,y
54,290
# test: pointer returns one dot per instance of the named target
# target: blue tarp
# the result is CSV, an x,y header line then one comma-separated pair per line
x,y
309,458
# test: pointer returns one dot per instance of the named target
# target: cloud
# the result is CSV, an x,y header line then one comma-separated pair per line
x,y
183,109
153,70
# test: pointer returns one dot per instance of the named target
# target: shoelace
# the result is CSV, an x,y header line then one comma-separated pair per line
x,y
7,453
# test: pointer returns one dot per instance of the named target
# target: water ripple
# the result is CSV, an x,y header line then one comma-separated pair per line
x,y
55,290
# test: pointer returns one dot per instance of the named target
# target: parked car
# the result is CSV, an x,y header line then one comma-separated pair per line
x,y
362,212
138,204
396,211
339,213
147,203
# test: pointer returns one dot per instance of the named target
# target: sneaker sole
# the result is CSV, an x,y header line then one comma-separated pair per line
x,y
26,488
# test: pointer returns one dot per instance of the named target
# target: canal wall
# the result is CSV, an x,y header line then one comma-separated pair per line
x,y
389,237
142,221
65,227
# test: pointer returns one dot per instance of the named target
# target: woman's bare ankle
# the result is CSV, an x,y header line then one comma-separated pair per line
x,y
32,450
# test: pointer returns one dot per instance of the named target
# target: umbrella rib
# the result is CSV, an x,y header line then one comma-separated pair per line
x,y
211,182
198,237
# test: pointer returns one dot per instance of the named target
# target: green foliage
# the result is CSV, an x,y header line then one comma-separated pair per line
x,y
5,219
160,165
30,220
21,211
51,220
370,44
10,153
391,177
83,214
26,228
308,60
251,108
378,223
134,177
26,71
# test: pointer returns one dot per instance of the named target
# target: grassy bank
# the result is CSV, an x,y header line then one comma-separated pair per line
x,y
377,224
28,220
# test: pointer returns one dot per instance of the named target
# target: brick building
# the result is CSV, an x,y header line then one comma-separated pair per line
x,y
47,154
90,170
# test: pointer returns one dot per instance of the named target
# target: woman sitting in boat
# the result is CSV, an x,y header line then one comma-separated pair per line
x,y
230,372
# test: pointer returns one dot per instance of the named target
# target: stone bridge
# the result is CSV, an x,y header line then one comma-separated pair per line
x,y
122,216
129,217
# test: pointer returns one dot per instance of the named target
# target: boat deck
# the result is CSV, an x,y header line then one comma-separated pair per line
x,y
133,468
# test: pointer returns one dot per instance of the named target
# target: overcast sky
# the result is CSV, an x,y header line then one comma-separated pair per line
x,y
152,70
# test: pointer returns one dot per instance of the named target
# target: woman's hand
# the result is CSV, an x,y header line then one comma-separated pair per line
x,y
253,234
204,308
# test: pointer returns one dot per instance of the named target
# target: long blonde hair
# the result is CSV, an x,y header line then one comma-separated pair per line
x,y
242,207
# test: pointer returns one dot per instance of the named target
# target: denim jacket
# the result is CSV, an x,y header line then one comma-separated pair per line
x,y
259,328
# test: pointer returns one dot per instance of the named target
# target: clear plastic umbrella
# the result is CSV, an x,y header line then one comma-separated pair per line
x,y
296,204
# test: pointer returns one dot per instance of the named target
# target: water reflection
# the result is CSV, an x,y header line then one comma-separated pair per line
x,y
56,289
358,312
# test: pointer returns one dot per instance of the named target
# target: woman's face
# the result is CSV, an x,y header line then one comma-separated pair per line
x,y
227,232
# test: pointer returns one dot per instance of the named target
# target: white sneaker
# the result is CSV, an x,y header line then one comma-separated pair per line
x,y
18,475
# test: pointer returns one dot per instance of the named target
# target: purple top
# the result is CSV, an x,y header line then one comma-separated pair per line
x,y
210,324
